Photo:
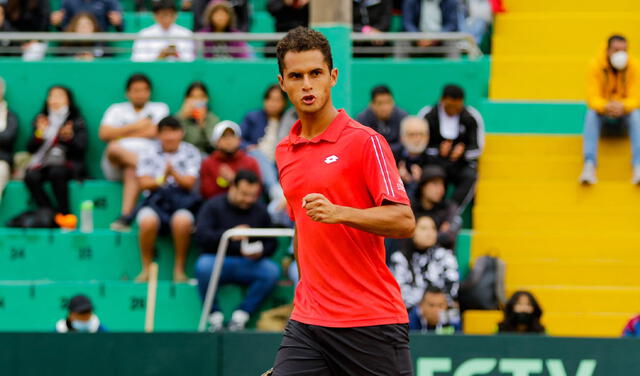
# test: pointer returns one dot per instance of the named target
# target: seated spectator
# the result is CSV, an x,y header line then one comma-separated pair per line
x,y
433,315
383,115
632,329
289,14
430,16
80,318
105,12
219,18
8,135
128,128
613,101
372,16
7,47
83,23
522,314
262,130
475,17
29,15
247,260
240,10
455,139
168,174
421,263
58,146
411,154
219,170
171,49
430,200
196,117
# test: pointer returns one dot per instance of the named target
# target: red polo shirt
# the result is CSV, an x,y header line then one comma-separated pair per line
x,y
345,281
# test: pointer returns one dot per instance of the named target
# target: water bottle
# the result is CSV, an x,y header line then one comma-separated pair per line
x,y
86,216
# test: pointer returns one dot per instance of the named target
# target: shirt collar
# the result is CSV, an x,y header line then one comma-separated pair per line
x,y
330,134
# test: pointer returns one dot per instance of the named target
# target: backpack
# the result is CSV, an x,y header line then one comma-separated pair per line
x,y
39,218
484,286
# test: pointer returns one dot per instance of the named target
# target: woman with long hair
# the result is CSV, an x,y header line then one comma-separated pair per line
x,y
522,314
83,23
219,17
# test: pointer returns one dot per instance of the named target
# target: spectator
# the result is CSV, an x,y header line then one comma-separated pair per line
x,y
421,264
220,18
430,200
171,48
80,318
83,23
262,130
168,173
240,9
127,127
196,117
522,314
105,12
613,100
433,315
247,261
8,135
372,16
430,16
411,154
7,47
474,17
219,170
383,115
289,14
28,15
58,146
455,139
632,329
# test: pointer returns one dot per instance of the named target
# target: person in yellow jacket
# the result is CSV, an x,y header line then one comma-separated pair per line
x,y
613,99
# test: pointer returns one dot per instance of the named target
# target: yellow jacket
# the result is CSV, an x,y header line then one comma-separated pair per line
x,y
605,85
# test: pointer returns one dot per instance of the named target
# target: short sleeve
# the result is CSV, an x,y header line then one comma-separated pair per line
x,y
110,117
159,112
381,174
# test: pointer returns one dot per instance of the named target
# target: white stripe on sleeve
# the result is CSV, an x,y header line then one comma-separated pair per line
x,y
375,149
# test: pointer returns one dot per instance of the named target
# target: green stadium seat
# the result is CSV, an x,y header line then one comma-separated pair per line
x,y
533,117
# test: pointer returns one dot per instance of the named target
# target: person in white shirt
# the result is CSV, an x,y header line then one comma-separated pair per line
x,y
173,47
129,128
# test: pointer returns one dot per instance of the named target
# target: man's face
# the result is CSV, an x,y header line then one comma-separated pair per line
x,y
452,106
307,80
170,139
244,195
432,305
275,103
434,190
426,234
382,106
165,18
415,136
616,45
229,142
139,93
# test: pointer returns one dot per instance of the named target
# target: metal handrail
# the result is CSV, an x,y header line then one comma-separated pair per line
x,y
220,255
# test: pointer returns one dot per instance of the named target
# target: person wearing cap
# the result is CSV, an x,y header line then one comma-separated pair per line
x,y
219,169
429,200
247,260
168,174
80,318
411,153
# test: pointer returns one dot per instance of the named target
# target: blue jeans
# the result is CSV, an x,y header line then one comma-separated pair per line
x,y
592,125
260,276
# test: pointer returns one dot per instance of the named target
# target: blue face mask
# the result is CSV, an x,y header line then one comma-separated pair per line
x,y
81,326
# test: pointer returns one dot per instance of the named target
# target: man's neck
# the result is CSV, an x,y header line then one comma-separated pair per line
x,y
313,124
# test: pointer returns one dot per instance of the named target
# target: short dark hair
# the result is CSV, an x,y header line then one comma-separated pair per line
x,y
169,122
303,39
138,77
380,90
452,92
432,290
272,88
615,38
246,175
159,5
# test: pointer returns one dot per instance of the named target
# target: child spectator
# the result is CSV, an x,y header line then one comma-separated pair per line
x,y
522,314
196,117
219,18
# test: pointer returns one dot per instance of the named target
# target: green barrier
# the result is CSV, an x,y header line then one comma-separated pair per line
x,y
239,354
533,117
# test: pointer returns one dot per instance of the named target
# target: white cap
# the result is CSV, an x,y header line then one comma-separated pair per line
x,y
221,127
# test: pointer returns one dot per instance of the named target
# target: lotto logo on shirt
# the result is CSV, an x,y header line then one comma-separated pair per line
x,y
331,159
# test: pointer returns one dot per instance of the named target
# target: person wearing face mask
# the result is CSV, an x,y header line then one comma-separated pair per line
x,y
81,318
219,169
613,100
196,117
411,154
522,314
455,141
383,115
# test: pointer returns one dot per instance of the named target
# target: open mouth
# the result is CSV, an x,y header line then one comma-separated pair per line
x,y
308,99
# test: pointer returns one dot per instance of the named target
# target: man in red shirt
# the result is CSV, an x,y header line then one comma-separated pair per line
x,y
345,195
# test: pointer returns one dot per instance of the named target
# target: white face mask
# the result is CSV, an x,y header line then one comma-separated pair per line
x,y
619,60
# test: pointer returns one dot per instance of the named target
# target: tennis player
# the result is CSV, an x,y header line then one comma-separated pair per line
x,y
345,195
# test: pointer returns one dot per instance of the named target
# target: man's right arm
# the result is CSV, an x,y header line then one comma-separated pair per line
x,y
141,128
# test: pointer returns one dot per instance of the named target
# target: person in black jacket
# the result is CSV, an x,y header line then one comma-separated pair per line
x,y
455,139
371,17
8,134
58,145
247,260
289,14
383,115
29,15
